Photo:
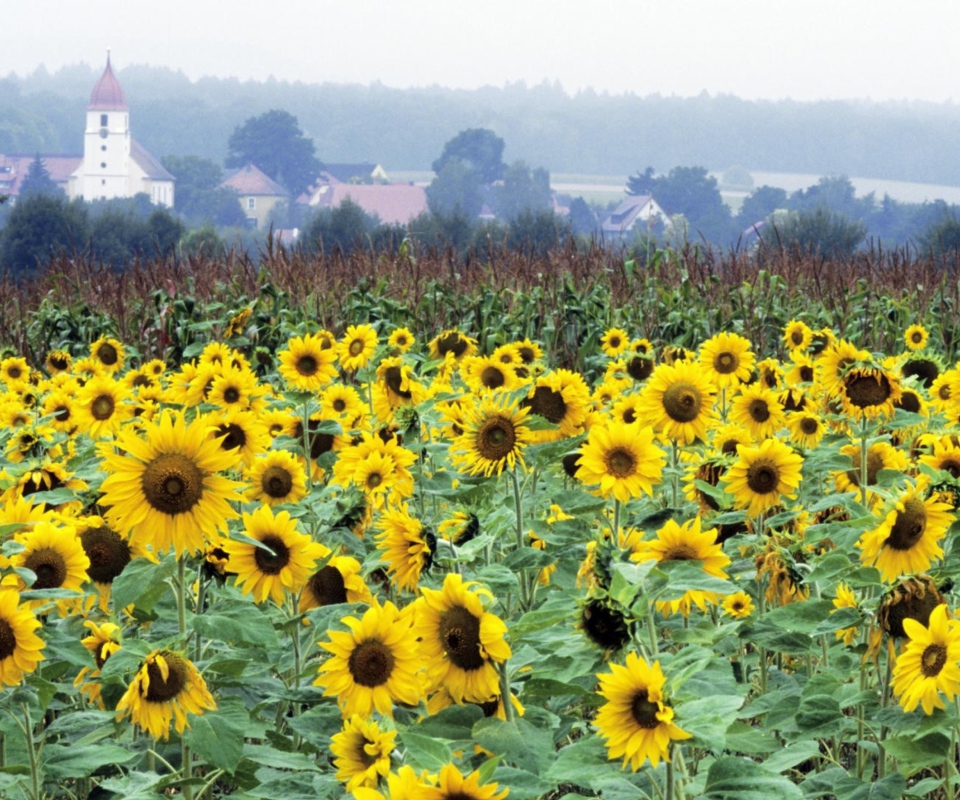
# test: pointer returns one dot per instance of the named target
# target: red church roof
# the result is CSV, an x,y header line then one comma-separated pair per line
x,y
107,95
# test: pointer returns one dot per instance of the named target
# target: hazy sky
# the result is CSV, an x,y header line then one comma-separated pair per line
x,y
804,49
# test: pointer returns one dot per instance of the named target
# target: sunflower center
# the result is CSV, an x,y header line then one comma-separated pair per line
x,y
356,347
276,482
327,586
496,438
924,369
527,355
866,390
107,551
371,663
231,395
234,437
796,337
102,407
307,366
932,660
62,413
8,640
644,712
630,416
59,362
909,526
460,635
161,690
806,374
614,342
809,426
102,654
759,410
172,483
916,337
763,477
548,404
49,567
452,343
108,354
725,363
272,563
339,405
374,479
682,401
620,462
393,377
951,465
605,626
639,368
909,401
681,552
492,377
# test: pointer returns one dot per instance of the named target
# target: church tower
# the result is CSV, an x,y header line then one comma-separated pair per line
x,y
106,141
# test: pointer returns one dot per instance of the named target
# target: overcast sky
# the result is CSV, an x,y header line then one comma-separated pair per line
x,y
803,49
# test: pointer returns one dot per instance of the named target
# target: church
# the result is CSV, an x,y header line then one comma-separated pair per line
x,y
114,164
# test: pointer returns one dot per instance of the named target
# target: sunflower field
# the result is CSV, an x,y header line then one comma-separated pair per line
x,y
398,528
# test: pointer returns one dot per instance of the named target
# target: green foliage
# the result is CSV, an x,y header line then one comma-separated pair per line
x,y
274,143
817,232
478,149
38,181
455,191
40,227
523,190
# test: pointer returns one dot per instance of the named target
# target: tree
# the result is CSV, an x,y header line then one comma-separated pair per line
x,y
760,204
38,181
345,228
40,227
835,193
275,144
821,232
583,221
690,191
523,190
479,149
641,184
943,237
455,191
199,196
536,231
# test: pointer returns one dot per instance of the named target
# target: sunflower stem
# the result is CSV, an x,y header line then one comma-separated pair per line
x,y
526,591
884,695
674,469
864,451
652,629
616,521
187,765
505,697
31,752
669,789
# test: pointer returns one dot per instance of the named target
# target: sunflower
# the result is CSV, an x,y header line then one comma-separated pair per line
x,y
726,360
378,467
461,643
101,407
108,353
164,489
562,398
55,555
108,552
686,542
530,352
239,432
396,386
277,477
869,391
404,784
928,664
495,433
677,401
452,342
806,429
604,623
337,581
282,561
636,720
362,752
401,340
344,402
374,665
907,540
925,369
103,642
945,456
622,460
485,374
880,456
834,362
58,361
166,688
756,408
235,388
452,785
20,647
916,337
357,347
614,342
802,370
738,605
797,336
762,475
460,527
406,545
14,371
306,364
910,598
845,599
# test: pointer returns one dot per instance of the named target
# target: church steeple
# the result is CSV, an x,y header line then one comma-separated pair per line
x,y
107,95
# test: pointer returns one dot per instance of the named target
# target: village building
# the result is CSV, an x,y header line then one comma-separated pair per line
x,y
259,193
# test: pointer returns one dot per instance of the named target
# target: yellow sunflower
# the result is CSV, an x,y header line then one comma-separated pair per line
x,y
282,562
756,408
58,361
561,397
763,475
738,605
806,429
834,363
686,542
486,374
55,555
306,364
454,343
103,642
880,456
164,490
907,540
460,641
621,460
677,401
401,340
343,402
636,720
379,468
374,665
60,406
240,432
452,785
108,353
726,360
916,337
101,406
20,647
337,581
277,477
929,663
357,347
166,688
614,342
845,599
108,552
530,352
797,336
406,545
236,388
362,752
869,391
944,456
495,433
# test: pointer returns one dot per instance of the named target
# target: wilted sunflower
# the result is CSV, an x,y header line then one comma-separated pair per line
x,y
164,489
283,562
686,542
306,364
603,622
357,347
406,545
374,665
337,581
362,752
108,353
756,409
677,401
621,460
924,368
494,436
452,785
166,688
103,642
460,527
109,553
762,476
907,540
55,555
727,360
460,641
636,720
916,337
738,605
913,598
277,477
797,335
614,342
20,647
929,663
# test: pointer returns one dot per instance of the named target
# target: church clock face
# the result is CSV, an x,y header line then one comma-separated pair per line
x,y
104,133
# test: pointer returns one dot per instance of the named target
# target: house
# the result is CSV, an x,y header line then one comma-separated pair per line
x,y
14,168
364,172
394,203
634,214
259,193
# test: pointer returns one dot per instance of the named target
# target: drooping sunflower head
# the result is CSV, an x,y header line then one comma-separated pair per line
x,y
925,369
404,542
604,623
58,361
913,598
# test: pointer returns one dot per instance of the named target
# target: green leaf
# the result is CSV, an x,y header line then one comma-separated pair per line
x,y
425,752
452,723
670,580
892,787
236,622
142,583
914,755
79,761
819,716
523,785
217,736
732,778
708,718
